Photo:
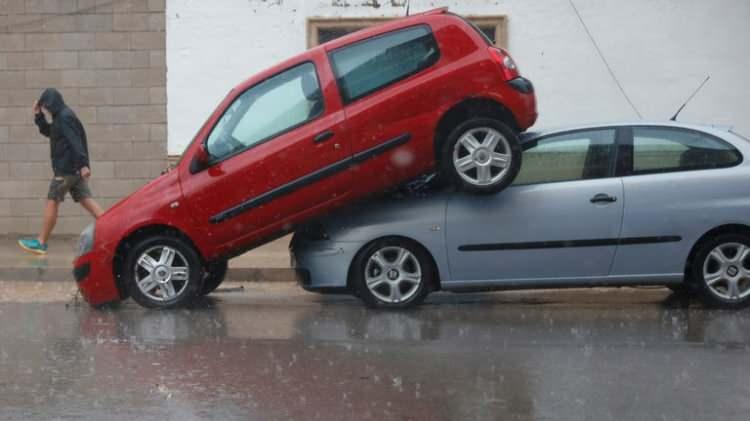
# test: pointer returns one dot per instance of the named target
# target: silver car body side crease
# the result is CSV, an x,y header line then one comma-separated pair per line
x,y
571,243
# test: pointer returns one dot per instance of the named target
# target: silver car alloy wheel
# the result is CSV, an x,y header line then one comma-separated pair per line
x,y
393,274
482,156
726,272
161,273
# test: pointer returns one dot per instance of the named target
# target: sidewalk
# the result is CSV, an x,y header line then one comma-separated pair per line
x,y
269,263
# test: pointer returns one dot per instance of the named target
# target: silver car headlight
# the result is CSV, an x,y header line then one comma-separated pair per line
x,y
86,240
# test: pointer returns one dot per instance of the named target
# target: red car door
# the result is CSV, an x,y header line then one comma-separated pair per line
x,y
277,152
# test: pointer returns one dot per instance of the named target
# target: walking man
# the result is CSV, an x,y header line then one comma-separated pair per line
x,y
70,163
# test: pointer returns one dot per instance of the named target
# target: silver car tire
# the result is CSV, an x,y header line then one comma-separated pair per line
x,y
392,273
481,155
722,270
162,271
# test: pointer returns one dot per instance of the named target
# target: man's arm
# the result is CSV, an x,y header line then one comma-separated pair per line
x,y
40,121
80,157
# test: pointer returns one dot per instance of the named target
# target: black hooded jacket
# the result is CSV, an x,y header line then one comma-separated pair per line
x,y
68,148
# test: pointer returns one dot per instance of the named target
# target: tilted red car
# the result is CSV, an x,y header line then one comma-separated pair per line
x,y
352,117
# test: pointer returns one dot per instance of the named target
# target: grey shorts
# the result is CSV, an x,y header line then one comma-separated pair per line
x,y
73,184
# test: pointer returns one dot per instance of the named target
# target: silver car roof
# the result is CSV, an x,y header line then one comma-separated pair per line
x,y
720,131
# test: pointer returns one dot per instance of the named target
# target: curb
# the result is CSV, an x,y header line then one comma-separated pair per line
x,y
31,274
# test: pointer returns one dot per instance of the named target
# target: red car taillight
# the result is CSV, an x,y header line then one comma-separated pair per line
x,y
506,62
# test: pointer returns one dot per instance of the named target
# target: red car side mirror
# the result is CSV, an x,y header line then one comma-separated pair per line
x,y
200,159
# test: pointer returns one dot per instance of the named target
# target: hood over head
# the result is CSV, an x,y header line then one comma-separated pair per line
x,y
52,100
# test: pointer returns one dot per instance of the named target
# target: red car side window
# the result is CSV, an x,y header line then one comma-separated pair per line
x,y
375,63
268,109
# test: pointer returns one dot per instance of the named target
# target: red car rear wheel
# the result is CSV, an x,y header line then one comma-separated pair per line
x,y
481,155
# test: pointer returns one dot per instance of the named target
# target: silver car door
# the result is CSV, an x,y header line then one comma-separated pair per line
x,y
678,186
560,219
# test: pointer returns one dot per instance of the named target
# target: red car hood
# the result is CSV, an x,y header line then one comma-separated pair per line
x,y
153,203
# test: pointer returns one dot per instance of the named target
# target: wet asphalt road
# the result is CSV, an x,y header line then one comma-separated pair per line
x,y
275,352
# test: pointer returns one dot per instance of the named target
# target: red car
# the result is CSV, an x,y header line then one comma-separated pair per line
x,y
352,117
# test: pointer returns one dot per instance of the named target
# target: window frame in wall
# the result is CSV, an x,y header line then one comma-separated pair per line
x,y
314,24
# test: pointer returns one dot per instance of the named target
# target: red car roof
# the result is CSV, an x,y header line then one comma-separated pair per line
x,y
395,24
382,28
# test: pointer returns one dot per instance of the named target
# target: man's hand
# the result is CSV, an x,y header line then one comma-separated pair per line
x,y
35,108
85,172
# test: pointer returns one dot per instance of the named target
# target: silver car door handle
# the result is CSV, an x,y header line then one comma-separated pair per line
x,y
603,198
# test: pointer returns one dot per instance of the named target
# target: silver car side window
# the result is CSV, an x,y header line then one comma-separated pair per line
x,y
664,149
567,157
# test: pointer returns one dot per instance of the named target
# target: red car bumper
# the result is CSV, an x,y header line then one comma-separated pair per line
x,y
94,275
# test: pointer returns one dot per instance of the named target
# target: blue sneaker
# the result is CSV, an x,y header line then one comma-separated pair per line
x,y
33,246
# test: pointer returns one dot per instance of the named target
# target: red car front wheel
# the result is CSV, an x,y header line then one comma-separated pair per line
x,y
162,272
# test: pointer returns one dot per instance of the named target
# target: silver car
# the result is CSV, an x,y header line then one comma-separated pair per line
x,y
605,205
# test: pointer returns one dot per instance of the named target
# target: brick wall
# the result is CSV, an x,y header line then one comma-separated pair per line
x,y
108,59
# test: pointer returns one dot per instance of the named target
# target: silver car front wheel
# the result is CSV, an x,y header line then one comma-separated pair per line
x,y
392,272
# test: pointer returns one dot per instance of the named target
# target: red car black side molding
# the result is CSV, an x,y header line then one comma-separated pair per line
x,y
310,178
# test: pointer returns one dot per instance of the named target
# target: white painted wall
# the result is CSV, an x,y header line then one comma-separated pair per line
x,y
660,50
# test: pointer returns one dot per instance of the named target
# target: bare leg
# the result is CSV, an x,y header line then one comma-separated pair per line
x,y
90,205
50,219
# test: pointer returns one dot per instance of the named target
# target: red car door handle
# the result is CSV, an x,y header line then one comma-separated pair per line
x,y
322,137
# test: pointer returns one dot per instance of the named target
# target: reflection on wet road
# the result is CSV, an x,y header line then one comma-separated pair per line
x,y
281,354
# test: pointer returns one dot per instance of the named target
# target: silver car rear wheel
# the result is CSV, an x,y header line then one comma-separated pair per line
x,y
393,274
482,156
726,271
